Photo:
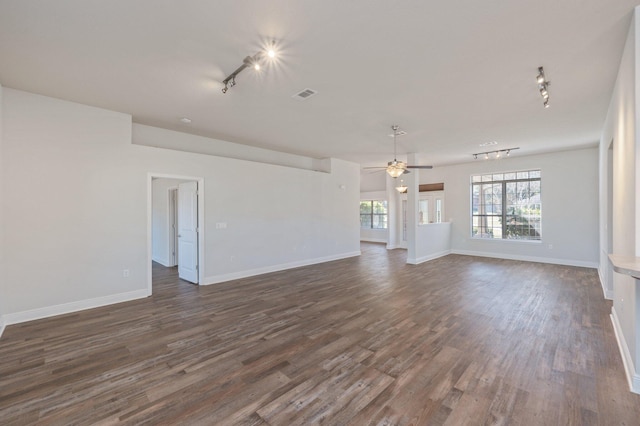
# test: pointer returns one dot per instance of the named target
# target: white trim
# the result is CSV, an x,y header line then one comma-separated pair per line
x,y
374,240
80,305
606,292
163,262
428,257
201,230
567,262
2,325
632,376
505,240
275,268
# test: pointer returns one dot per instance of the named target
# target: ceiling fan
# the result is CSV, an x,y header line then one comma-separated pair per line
x,y
397,168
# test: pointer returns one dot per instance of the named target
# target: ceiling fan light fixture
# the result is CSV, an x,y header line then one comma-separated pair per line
x,y
395,170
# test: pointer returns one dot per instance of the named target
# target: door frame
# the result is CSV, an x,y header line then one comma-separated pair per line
x,y
201,229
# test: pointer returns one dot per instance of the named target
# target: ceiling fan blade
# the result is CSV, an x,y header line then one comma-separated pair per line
x,y
374,167
419,167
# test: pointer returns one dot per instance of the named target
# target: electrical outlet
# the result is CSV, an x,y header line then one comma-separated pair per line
x,y
125,273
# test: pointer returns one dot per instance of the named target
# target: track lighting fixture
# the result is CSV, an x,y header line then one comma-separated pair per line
x,y
497,153
250,61
543,86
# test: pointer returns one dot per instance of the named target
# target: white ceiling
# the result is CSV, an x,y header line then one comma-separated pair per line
x,y
451,74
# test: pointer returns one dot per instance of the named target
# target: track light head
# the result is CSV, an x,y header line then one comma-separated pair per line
x,y
543,85
249,61
498,153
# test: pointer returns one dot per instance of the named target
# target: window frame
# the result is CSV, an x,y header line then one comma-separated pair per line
x,y
372,214
504,216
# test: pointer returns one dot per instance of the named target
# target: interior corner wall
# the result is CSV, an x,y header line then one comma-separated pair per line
x,y
3,296
77,205
621,128
569,207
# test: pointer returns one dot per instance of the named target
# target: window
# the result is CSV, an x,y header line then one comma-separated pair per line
x,y
506,206
423,212
373,214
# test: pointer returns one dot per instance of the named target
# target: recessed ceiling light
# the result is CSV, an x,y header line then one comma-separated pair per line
x,y
490,143
185,120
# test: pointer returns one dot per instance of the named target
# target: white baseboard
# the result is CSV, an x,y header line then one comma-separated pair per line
x,y
395,246
2,325
567,262
374,240
275,268
632,376
608,294
429,257
66,308
163,262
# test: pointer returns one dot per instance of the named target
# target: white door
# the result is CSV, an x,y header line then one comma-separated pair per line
x,y
188,231
173,226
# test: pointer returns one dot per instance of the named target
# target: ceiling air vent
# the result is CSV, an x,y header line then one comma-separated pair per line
x,y
304,95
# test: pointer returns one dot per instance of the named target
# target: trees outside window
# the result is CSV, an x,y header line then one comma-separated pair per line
x,y
373,214
506,205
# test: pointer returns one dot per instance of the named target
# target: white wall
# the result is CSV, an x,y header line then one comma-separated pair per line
x,y
161,138
433,240
3,297
77,206
621,128
373,181
161,228
569,207
374,235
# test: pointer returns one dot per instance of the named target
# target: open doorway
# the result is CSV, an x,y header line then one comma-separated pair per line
x,y
176,225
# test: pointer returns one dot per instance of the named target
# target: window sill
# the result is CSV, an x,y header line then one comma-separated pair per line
x,y
508,241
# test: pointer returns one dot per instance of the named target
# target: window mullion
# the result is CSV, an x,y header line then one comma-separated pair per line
x,y
504,209
371,214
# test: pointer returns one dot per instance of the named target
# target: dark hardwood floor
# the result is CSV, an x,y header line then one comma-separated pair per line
x,y
367,340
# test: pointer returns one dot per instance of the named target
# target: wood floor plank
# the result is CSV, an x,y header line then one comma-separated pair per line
x,y
365,340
